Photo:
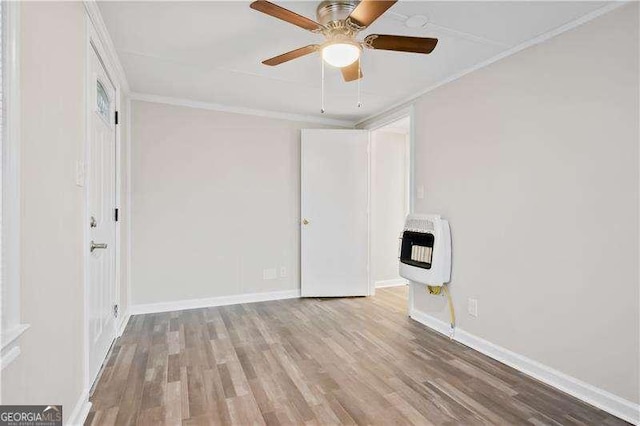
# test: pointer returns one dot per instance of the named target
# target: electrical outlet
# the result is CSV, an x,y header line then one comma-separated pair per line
x,y
420,192
283,271
269,274
472,307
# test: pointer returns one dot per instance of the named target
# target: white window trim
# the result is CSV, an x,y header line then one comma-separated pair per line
x,y
11,328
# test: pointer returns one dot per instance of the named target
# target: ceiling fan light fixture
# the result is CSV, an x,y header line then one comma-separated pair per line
x,y
340,54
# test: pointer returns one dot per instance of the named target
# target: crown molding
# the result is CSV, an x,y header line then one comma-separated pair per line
x,y
93,11
238,110
96,18
522,46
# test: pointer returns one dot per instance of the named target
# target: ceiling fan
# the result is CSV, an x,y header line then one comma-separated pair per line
x,y
340,21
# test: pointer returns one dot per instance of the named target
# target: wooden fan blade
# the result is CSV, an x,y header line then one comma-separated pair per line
x,y
284,14
369,10
351,72
401,43
294,54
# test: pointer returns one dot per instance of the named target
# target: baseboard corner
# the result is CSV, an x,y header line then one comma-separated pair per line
x,y
124,320
80,411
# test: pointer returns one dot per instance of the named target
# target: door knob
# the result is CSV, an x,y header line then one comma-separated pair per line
x,y
97,246
305,222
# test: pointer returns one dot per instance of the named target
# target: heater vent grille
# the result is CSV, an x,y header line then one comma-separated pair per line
x,y
419,225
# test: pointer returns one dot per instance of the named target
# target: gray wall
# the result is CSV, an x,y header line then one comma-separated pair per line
x,y
216,199
53,50
534,160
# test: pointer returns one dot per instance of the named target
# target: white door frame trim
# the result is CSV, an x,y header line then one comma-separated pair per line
x,y
109,55
376,124
94,43
124,314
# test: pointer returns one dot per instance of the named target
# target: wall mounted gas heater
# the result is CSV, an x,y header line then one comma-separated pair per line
x,y
425,256
425,250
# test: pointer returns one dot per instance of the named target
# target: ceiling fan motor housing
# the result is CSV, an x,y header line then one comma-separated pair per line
x,y
331,11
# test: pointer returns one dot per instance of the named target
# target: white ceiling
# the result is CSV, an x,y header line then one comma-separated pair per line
x,y
212,51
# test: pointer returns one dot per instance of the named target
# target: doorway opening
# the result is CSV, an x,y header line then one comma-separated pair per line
x,y
390,198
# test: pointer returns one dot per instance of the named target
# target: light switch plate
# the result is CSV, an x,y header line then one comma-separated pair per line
x,y
420,192
283,271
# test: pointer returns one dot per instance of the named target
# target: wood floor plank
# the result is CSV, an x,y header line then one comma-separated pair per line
x,y
355,361
173,404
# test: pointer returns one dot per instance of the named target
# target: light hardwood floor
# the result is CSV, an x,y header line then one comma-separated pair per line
x,y
315,362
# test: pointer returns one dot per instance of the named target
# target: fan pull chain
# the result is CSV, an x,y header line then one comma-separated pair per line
x,y
322,89
359,73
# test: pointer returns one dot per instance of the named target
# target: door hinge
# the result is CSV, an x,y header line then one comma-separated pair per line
x,y
117,118
116,215
115,310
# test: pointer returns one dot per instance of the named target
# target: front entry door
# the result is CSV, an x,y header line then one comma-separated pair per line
x,y
101,192
335,219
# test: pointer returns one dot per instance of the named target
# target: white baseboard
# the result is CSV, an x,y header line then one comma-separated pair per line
x,y
124,319
80,411
8,356
10,344
432,322
179,305
590,394
391,283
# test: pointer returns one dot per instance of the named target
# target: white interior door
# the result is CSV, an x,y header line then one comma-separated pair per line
x,y
335,219
101,203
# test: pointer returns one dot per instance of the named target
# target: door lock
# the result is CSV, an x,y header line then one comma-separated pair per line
x,y
305,222
92,222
